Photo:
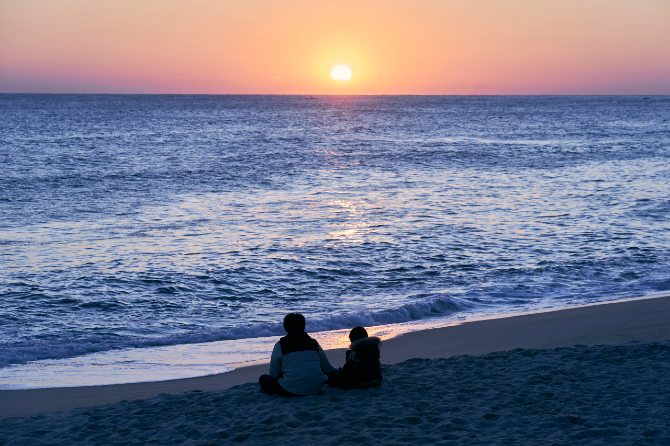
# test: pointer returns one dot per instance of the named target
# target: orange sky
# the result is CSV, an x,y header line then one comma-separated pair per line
x,y
392,46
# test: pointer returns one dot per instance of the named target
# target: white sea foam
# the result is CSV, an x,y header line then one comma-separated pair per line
x,y
430,308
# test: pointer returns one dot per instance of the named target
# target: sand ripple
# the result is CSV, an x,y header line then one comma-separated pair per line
x,y
579,395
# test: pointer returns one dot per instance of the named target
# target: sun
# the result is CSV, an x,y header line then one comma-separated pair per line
x,y
341,73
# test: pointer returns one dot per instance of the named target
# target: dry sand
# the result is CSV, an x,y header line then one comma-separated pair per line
x,y
615,393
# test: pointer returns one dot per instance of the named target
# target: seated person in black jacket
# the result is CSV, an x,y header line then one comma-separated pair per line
x,y
362,368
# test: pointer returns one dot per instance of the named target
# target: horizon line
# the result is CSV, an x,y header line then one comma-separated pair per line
x,y
325,94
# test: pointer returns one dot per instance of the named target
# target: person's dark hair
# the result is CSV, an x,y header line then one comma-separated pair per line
x,y
357,333
294,323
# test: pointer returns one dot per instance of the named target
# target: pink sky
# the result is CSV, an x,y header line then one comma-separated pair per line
x,y
392,46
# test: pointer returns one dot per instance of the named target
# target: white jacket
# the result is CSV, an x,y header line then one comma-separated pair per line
x,y
299,363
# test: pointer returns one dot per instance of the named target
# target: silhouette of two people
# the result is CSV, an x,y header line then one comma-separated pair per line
x,y
298,363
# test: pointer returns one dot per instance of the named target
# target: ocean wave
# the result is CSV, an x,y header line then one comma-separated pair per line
x,y
434,305
233,210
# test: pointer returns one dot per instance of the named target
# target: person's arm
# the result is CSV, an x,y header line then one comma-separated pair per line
x,y
325,365
275,361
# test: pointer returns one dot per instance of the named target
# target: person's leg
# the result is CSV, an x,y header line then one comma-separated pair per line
x,y
269,385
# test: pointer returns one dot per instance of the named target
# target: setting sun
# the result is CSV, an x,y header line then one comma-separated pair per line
x,y
316,205
341,73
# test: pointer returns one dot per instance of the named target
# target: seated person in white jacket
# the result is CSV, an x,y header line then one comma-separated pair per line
x,y
298,363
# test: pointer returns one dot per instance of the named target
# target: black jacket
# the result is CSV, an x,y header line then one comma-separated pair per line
x,y
362,367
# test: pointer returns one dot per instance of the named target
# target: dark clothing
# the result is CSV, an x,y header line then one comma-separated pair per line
x,y
270,386
362,368
297,343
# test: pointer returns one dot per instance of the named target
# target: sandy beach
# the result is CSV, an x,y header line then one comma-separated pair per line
x,y
466,201
588,375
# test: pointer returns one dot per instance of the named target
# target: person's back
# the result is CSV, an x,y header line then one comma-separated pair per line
x,y
297,364
364,357
300,371
363,366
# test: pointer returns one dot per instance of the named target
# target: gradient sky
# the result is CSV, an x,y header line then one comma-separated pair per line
x,y
392,46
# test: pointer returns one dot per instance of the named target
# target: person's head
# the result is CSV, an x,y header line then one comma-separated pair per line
x,y
294,323
357,333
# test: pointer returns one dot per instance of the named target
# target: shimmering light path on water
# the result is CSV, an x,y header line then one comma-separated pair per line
x,y
137,221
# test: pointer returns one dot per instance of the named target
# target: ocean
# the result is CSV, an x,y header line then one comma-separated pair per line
x,y
164,225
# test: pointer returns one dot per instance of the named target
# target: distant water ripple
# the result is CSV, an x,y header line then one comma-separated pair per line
x,y
158,220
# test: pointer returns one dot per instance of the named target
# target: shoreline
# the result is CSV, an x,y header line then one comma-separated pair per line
x,y
607,323
200,359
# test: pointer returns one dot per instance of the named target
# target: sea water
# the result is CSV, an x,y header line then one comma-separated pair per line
x,y
183,228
